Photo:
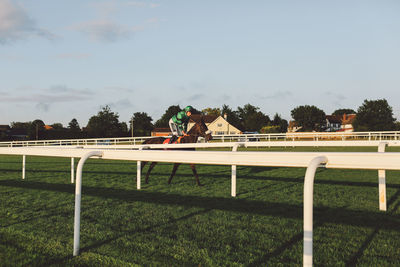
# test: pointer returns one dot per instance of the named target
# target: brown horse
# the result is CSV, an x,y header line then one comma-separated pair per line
x,y
199,129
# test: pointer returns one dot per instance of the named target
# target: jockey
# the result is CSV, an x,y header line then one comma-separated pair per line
x,y
179,122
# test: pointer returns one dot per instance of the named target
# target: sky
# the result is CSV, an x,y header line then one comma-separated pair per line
x,y
61,60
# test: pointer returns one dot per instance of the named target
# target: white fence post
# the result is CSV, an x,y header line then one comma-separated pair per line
x,y
78,193
72,170
308,209
382,181
23,166
233,179
138,170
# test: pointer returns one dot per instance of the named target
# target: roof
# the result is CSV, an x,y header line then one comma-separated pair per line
x,y
158,130
348,118
334,118
207,118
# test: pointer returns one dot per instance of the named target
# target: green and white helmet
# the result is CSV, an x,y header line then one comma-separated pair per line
x,y
188,108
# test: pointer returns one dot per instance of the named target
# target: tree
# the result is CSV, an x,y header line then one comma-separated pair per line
x,y
105,124
163,121
142,125
74,130
57,126
309,117
342,111
211,111
36,130
251,118
73,126
374,115
281,123
231,116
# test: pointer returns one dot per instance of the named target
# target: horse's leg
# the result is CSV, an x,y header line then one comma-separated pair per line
x,y
149,170
195,174
176,165
142,164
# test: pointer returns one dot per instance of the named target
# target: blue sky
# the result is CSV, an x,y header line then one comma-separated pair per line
x,y
65,59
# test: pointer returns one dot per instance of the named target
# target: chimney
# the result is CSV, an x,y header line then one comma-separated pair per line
x,y
225,116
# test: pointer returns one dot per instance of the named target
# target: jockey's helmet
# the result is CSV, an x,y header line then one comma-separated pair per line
x,y
188,109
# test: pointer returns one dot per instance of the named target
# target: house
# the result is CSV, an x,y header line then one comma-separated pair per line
x,y
293,127
217,124
161,132
333,123
347,123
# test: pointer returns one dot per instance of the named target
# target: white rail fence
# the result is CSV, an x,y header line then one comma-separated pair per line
x,y
311,160
313,136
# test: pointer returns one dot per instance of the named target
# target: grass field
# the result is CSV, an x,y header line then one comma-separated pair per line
x,y
185,225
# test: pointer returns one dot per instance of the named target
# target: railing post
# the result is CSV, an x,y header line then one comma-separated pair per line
x,y
308,209
72,170
139,170
382,181
78,193
23,166
233,179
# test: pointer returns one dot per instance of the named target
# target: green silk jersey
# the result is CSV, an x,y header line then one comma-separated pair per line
x,y
182,120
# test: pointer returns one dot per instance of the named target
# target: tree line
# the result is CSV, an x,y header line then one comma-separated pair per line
x,y
372,115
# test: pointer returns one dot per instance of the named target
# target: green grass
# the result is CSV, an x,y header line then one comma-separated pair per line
x,y
186,225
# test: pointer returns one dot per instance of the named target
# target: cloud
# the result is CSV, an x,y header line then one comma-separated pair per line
x,y
196,97
44,98
42,107
122,103
277,95
15,24
66,90
73,56
336,99
105,30
142,4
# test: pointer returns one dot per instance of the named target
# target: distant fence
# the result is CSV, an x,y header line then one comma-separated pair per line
x,y
305,136
311,160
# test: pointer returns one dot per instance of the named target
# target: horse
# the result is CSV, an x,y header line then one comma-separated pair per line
x,y
199,129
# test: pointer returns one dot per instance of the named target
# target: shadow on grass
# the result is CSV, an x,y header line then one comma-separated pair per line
x,y
355,258
266,208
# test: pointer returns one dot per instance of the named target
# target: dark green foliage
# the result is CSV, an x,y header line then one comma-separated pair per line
x,y
231,116
106,124
343,111
251,118
212,111
142,125
310,118
374,115
185,225
282,123
163,121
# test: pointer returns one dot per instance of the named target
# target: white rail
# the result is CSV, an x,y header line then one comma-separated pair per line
x,y
311,160
314,136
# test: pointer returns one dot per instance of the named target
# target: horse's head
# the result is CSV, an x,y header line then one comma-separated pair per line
x,y
200,129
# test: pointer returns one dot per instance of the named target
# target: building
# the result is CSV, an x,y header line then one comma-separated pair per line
x,y
161,132
216,124
333,123
347,123
293,127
